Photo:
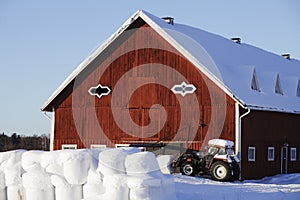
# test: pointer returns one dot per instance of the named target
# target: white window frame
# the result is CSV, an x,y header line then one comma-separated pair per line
x,y
251,149
293,151
68,146
121,145
271,156
98,146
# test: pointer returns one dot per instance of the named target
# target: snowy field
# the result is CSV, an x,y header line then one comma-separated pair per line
x,y
280,187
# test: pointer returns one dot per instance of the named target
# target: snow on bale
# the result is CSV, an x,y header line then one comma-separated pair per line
x,y
108,174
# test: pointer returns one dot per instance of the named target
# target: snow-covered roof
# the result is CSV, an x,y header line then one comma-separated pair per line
x,y
255,78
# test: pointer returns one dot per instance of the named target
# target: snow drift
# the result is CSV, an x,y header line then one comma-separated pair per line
x,y
114,174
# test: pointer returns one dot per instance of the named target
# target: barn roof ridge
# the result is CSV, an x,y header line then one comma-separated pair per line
x,y
222,66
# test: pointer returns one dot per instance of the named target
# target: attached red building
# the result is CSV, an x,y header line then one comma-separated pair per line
x,y
163,84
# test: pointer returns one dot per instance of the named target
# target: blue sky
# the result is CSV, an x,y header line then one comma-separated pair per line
x,y
42,42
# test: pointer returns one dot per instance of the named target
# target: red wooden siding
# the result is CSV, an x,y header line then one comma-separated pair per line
x,y
84,119
263,129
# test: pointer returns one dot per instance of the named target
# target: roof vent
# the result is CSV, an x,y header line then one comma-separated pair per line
x,y
286,55
169,20
236,40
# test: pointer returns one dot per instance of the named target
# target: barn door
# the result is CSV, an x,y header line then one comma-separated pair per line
x,y
284,160
152,127
142,125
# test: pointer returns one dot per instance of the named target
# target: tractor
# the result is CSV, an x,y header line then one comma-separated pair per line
x,y
218,161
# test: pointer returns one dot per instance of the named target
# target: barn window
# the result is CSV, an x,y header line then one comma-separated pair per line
x,y
183,89
121,145
99,91
254,82
278,88
69,146
293,154
251,153
271,153
298,89
98,146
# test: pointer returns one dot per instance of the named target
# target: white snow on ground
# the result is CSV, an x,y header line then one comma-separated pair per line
x,y
279,187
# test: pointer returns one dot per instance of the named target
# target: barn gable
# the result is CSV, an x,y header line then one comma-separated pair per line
x,y
142,56
218,58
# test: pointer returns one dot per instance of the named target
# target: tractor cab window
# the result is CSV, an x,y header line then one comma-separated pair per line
x,y
212,150
222,151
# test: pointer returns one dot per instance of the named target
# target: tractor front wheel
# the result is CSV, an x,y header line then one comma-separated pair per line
x,y
220,171
187,169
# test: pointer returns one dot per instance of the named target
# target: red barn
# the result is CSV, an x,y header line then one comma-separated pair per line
x,y
162,84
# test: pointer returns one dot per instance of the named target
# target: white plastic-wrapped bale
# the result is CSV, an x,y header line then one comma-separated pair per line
x,y
94,185
2,186
164,162
37,186
116,187
14,192
76,165
144,179
10,164
64,190
141,163
112,161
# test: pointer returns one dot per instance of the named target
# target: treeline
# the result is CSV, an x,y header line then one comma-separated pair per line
x,y
16,141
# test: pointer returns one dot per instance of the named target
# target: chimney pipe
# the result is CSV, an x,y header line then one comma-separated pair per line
x,y
169,20
286,55
236,40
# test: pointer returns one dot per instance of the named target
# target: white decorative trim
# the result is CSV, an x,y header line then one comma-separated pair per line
x,y
293,149
68,146
237,131
98,146
93,91
52,130
253,156
271,156
121,145
183,89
